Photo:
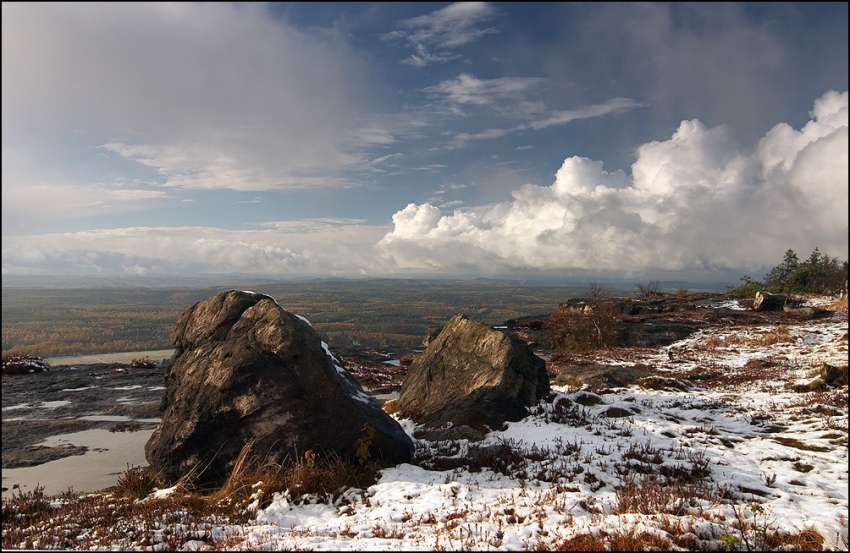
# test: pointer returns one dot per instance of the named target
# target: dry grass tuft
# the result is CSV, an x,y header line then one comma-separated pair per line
x,y
622,540
323,477
674,495
839,305
135,483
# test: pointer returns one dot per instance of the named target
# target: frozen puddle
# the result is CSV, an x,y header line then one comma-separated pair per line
x,y
99,468
54,404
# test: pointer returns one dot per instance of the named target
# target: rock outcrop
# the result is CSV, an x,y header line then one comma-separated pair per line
x,y
430,334
648,333
247,370
598,377
806,312
471,374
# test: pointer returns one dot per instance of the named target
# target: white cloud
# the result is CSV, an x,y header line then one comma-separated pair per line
x,y
695,201
317,246
489,134
29,201
616,105
445,29
467,89
209,95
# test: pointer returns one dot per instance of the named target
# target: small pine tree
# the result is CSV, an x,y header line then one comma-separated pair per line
x,y
781,278
820,273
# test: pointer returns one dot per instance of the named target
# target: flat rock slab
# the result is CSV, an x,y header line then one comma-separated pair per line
x,y
40,405
598,377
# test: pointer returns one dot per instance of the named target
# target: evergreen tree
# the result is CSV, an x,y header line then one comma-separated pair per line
x,y
820,273
781,278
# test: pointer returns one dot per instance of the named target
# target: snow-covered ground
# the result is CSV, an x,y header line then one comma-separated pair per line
x,y
744,448
729,444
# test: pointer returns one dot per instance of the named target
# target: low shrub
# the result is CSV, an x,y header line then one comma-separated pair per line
x,y
24,363
592,327
143,363
649,290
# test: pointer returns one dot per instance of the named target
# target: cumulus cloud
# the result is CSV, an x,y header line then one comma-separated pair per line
x,y
696,201
436,35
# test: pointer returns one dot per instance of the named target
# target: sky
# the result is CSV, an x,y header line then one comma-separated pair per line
x,y
469,139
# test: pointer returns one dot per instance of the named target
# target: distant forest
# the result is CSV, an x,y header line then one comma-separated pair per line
x,y
372,312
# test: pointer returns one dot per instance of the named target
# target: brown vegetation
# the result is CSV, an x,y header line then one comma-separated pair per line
x,y
143,363
23,363
589,327
372,312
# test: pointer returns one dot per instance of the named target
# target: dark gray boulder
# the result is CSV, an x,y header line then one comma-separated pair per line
x,y
765,301
246,369
471,374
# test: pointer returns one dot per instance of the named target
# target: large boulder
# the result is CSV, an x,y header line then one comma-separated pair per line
x,y
471,374
246,369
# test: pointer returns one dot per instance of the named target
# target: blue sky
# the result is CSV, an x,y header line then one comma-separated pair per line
x,y
422,138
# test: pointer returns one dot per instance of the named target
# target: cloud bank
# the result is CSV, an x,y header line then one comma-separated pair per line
x,y
306,247
697,201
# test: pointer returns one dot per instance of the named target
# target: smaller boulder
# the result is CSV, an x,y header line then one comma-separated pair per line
x,y
648,333
834,376
765,301
471,374
462,432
